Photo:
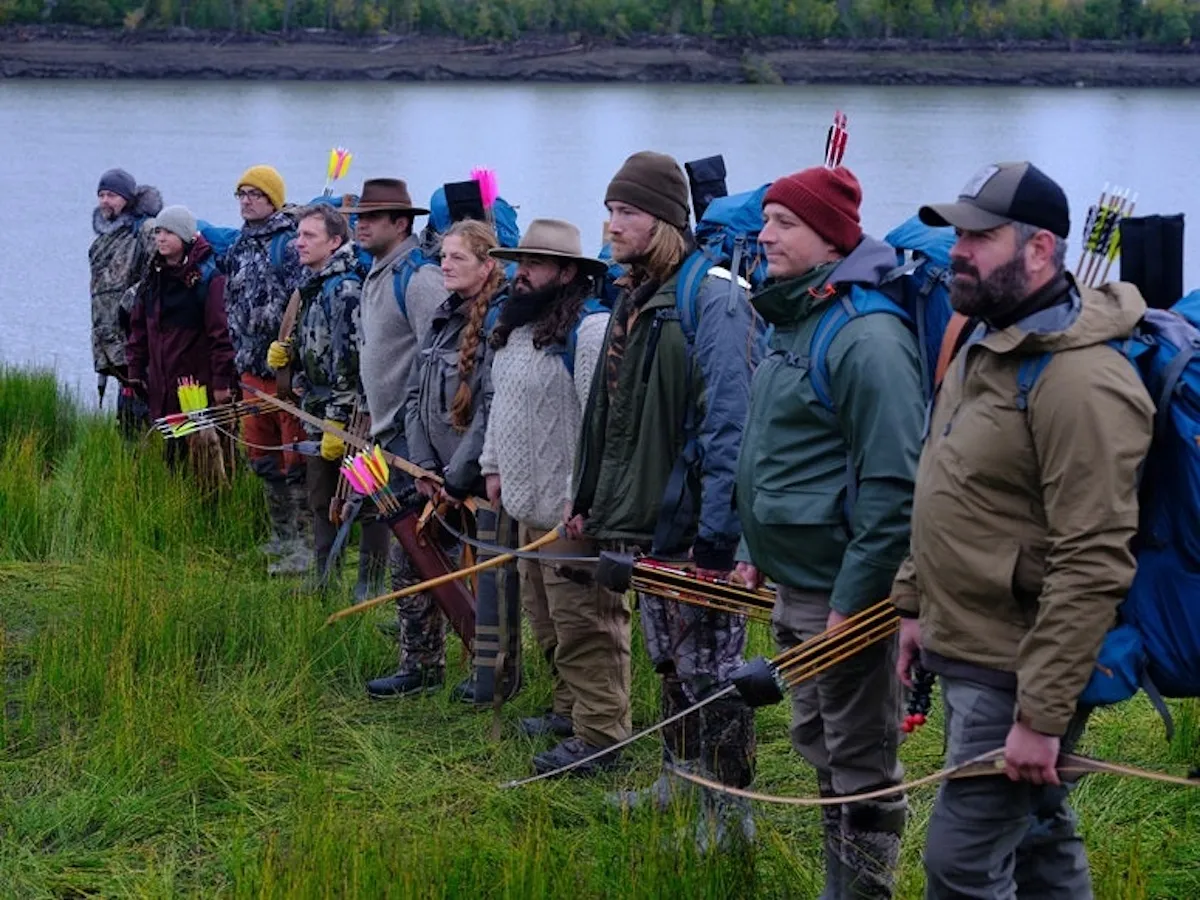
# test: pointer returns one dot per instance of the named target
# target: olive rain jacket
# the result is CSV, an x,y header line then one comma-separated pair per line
x,y
1023,518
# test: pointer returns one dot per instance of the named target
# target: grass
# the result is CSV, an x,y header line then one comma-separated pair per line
x,y
176,725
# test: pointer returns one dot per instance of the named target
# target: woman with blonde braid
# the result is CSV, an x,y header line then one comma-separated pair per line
x,y
445,421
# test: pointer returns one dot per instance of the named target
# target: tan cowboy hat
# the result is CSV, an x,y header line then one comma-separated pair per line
x,y
554,239
385,195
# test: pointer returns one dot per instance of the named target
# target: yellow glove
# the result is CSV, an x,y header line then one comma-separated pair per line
x,y
279,354
332,448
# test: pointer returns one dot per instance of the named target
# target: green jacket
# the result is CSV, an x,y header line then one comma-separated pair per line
x,y
633,425
799,526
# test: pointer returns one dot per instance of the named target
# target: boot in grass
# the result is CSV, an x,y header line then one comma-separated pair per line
x,y
372,576
283,522
409,681
299,559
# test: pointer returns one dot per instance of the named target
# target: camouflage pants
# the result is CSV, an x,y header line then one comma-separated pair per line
x,y
846,723
695,650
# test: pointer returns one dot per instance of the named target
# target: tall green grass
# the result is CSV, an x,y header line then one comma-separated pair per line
x,y
175,724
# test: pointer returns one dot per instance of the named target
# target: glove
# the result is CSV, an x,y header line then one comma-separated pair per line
x,y
332,448
279,354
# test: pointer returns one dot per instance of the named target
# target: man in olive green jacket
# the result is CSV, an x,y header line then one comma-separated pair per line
x,y
1025,507
663,396
824,493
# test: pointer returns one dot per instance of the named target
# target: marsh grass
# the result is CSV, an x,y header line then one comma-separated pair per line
x,y
176,724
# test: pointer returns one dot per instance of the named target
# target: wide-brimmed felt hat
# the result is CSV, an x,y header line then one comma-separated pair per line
x,y
554,239
385,195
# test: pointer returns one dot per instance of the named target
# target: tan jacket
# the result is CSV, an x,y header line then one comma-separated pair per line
x,y
1022,519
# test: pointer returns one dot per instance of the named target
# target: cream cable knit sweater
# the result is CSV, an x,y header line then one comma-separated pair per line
x,y
533,425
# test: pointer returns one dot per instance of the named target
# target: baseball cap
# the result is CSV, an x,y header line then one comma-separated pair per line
x,y
1003,193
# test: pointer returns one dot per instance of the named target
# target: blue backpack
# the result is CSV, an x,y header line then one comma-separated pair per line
x,y
1156,643
222,238
590,308
917,291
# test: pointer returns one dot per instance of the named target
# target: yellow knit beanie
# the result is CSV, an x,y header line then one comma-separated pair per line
x,y
267,180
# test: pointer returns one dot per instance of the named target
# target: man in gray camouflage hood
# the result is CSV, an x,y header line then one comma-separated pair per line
x,y
117,257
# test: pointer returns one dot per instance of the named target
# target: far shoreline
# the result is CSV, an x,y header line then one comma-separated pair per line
x,y
44,52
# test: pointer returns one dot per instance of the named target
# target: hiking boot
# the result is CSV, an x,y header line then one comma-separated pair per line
x,y
281,517
548,723
297,561
570,751
465,692
372,577
407,682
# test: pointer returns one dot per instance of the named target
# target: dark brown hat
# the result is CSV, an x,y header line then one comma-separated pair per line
x,y
385,195
654,183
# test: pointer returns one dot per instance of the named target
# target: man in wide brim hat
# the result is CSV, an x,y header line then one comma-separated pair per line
x,y
555,240
385,195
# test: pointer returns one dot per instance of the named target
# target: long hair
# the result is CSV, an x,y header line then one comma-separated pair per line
x,y
669,247
551,323
479,238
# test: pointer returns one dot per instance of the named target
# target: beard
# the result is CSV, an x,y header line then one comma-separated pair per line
x,y
525,304
1000,293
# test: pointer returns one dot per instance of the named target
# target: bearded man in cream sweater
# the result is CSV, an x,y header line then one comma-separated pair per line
x,y
547,343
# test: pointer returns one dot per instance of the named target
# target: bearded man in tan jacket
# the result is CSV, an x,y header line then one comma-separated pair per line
x,y
1025,505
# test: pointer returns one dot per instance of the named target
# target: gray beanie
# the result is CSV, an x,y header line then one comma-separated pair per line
x,y
179,221
119,182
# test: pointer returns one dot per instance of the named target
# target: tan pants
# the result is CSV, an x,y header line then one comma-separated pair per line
x,y
585,631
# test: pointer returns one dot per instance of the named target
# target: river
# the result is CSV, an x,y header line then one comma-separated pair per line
x,y
554,148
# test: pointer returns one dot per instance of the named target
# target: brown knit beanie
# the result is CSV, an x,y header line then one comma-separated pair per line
x,y
654,183
827,200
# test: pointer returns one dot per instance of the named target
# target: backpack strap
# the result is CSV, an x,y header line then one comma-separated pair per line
x,y
850,305
956,334
687,293
1028,373
591,307
402,274
278,247
678,508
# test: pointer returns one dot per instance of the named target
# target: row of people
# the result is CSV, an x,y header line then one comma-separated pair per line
x,y
1002,537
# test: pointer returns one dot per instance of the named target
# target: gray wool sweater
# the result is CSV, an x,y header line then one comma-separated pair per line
x,y
533,424
390,339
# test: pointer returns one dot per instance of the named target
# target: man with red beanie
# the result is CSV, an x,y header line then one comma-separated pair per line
x,y
824,493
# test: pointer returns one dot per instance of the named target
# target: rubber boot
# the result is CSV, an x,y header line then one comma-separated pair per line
x,y
279,514
728,750
300,559
681,749
871,833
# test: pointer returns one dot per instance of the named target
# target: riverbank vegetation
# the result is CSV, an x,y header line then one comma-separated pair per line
x,y
175,724
1155,22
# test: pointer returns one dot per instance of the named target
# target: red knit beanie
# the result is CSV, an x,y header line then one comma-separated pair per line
x,y
827,200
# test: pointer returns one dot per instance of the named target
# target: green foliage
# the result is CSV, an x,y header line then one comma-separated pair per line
x,y
1170,22
175,724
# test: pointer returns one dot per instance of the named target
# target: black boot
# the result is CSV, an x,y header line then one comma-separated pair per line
x,y
548,723
572,750
407,682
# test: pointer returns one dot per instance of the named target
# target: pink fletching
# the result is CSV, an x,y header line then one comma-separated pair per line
x,y
489,189
359,487
364,474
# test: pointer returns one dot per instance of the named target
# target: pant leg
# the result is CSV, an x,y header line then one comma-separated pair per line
x,y
592,627
536,603
980,826
322,485
261,430
847,724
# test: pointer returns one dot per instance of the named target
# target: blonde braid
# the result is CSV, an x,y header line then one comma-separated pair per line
x,y
479,238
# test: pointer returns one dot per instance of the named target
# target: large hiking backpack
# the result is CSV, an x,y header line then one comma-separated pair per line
x,y
590,307
1156,643
222,238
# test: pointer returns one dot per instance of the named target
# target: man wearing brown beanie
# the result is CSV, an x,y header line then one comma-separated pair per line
x,y
824,492
655,470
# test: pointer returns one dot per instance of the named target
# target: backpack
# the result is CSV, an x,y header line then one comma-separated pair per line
x,y
1155,645
917,292
222,239
591,307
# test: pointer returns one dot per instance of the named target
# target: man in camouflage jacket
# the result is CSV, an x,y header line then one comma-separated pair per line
x,y
117,257
263,269
325,352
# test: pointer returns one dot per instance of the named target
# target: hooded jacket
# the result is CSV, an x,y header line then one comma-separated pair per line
x,y
328,339
1023,518
178,329
793,487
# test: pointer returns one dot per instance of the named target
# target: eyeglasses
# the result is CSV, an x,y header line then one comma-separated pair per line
x,y
249,194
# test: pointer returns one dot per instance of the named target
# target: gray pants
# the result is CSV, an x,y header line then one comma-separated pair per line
x,y
993,838
846,723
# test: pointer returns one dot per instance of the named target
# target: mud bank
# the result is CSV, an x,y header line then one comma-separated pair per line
x,y
184,54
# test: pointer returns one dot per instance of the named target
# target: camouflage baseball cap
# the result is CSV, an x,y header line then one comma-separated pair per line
x,y
1002,193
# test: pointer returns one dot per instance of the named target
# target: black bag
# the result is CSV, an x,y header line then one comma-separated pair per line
x,y
707,179
1152,258
465,201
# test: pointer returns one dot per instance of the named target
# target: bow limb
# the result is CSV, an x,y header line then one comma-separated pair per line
x,y
987,764
497,548
442,579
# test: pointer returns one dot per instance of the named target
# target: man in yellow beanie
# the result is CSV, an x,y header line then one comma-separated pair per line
x,y
263,270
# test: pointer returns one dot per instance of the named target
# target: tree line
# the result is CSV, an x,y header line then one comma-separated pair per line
x,y
1163,22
